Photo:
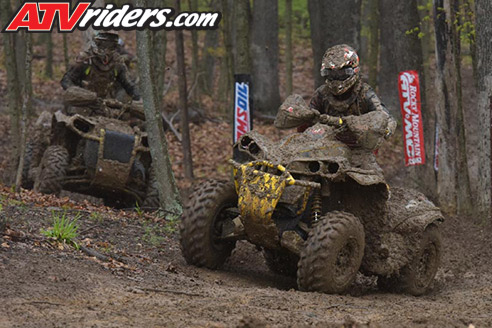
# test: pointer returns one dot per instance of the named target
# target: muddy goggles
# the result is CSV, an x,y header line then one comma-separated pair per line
x,y
106,44
337,74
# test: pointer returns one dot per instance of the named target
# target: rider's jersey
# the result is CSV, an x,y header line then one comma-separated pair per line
x,y
98,75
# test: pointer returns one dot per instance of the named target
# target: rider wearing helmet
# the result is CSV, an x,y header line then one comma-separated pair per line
x,y
344,93
101,67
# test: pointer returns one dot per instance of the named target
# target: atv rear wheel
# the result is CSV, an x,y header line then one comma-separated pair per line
x,y
332,255
201,225
281,262
416,278
52,170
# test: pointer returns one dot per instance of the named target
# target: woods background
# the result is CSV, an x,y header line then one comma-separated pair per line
x,y
280,43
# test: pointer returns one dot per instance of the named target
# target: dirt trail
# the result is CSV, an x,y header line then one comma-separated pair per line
x,y
43,286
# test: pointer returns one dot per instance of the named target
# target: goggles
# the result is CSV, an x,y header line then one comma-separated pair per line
x,y
106,44
338,74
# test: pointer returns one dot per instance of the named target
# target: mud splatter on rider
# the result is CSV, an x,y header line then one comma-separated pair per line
x,y
101,69
344,93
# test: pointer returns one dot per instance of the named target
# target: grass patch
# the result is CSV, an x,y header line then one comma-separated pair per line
x,y
64,229
96,217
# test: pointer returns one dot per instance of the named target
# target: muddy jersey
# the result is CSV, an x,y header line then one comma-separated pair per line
x,y
97,75
361,100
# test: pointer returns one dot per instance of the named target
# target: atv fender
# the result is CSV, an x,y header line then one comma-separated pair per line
x,y
59,117
366,179
419,223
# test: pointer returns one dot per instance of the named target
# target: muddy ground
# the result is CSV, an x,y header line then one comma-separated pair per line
x,y
47,284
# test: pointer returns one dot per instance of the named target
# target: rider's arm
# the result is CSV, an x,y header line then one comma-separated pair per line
x,y
374,104
126,83
74,76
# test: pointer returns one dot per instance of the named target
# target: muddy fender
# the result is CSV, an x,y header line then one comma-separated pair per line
x,y
420,223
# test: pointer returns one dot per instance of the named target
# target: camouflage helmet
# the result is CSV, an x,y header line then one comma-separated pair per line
x,y
340,68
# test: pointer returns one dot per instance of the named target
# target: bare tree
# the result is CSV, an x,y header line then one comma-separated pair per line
x,y
168,191
288,44
193,6
265,53
208,57
373,42
453,186
484,70
13,90
183,99
26,104
49,56
400,48
333,22
242,58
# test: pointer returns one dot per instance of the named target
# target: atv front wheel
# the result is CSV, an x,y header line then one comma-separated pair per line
x,y
416,278
52,170
281,262
332,255
209,206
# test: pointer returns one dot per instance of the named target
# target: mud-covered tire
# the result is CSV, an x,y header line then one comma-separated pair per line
x,y
52,170
151,200
333,254
416,277
281,262
199,224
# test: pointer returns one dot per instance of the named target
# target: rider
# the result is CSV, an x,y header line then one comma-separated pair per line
x,y
100,68
344,93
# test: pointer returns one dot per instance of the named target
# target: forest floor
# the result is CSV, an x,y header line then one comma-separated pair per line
x,y
146,282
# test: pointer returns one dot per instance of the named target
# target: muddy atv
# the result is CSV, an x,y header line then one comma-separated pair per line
x,y
101,155
319,209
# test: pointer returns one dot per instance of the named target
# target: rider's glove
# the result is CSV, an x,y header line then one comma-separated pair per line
x,y
390,128
331,120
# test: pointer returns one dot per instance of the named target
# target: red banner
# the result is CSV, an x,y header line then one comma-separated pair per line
x,y
413,135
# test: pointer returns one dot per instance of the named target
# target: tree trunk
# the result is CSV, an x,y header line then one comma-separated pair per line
x,y
159,49
227,67
66,59
373,44
183,99
242,60
13,90
453,188
207,64
49,56
484,70
168,191
264,52
288,44
26,104
400,49
193,6
333,22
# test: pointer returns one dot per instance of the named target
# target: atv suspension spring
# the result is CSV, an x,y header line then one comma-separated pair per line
x,y
316,207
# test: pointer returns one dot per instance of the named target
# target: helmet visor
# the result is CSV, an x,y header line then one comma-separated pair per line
x,y
338,74
106,44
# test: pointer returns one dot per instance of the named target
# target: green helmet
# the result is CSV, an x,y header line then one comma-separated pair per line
x,y
340,68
